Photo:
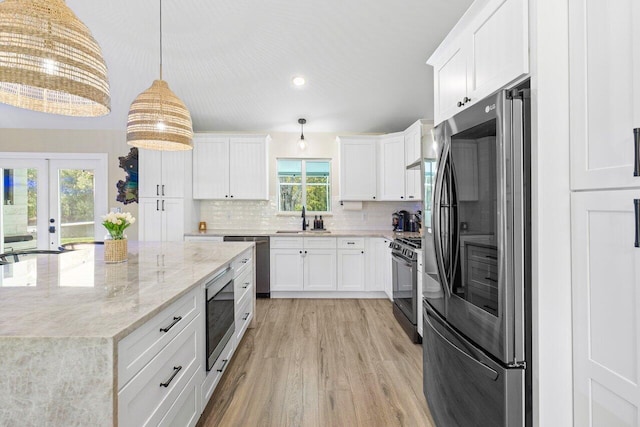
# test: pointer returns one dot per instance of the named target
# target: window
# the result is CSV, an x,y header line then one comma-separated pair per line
x,y
304,183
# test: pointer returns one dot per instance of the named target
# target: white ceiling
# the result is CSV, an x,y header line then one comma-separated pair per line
x,y
231,62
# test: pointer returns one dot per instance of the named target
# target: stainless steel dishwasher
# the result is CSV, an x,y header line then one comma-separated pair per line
x,y
263,280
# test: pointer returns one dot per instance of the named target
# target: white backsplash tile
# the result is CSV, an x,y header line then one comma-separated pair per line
x,y
263,215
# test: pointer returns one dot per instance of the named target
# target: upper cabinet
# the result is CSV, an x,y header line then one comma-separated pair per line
x,y
392,167
230,167
604,83
358,170
412,153
486,50
162,173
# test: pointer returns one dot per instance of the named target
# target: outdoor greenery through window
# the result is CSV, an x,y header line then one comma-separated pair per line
x,y
304,183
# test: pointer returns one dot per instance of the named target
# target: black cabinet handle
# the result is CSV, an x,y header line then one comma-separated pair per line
x,y
175,320
246,285
351,243
246,316
163,205
636,208
176,369
224,363
163,189
157,205
466,99
460,104
636,151
374,197
157,190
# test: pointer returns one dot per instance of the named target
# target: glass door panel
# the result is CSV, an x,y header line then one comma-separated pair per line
x,y
24,204
75,209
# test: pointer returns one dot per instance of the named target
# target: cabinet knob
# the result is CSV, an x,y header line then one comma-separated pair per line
x,y
232,196
300,251
361,252
226,196
466,99
402,197
460,104
374,197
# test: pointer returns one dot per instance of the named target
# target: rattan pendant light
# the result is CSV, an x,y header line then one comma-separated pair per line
x,y
158,119
49,61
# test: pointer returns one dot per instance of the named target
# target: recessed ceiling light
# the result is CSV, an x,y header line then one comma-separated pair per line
x,y
298,81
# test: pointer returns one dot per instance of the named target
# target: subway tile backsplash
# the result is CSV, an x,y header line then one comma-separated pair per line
x,y
263,215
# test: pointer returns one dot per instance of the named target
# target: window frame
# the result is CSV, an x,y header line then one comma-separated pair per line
x,y
303,184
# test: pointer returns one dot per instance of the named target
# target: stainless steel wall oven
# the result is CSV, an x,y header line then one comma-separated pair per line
x,y
220,314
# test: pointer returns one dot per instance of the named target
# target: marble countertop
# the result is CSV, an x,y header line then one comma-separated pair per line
x,y
75,294
387,234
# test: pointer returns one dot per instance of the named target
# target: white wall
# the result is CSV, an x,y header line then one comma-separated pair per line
x,y
263,215
552,358
111,142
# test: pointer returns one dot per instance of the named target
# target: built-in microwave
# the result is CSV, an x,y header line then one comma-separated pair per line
x,y
220,314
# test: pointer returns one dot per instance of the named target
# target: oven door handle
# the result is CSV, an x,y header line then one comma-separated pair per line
x,y
402,260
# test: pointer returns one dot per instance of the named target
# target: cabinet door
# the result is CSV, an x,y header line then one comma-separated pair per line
x,y
412,152
358,169
450,82
392,168
499,48
149,220
319,269
388,271
351,270
249,178
172,220
149,173
604,82
606,308
211,167
286,269
174,167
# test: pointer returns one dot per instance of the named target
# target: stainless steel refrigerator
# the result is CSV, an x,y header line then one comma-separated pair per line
x,y
477,280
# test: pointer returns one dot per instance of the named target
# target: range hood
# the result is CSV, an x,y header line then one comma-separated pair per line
x,y
415,165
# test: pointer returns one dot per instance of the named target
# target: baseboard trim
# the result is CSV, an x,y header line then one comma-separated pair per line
x,y
329,294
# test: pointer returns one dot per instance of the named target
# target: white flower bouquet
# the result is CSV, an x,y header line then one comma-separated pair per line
x,y
116,223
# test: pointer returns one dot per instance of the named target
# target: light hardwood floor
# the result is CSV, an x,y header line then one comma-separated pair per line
x,y
322,363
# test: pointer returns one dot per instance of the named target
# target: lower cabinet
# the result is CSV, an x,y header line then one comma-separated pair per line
x,y
351,264
319,269
287,269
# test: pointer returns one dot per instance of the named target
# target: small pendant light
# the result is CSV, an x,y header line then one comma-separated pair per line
x,y
158,119
49,61
302,144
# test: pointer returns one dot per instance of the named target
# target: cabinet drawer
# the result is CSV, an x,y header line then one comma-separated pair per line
x,y
185,412
243,283
482,254
138,348
319,242
483,272
213,376
350,243
243,318
286,242
147,397
241,262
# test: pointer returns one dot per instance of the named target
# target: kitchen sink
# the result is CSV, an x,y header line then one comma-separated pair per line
x,y
288,232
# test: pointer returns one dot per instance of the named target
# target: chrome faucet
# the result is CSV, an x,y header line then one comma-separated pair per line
x,y
305,224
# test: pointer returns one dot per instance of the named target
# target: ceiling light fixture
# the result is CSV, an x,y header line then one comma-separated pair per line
x,y
158,119
49,61
298,81
302,144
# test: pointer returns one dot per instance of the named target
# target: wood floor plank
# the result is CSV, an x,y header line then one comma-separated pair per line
x,y
322,363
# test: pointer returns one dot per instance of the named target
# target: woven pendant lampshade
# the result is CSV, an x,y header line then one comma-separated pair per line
x,y
49,61
158,119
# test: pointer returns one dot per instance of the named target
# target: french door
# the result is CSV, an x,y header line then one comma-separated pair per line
x,y
51,201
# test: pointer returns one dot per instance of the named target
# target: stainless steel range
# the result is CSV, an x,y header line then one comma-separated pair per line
x,y
405,284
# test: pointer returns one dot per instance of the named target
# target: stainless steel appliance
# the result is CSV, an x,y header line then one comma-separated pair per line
x,y
263,278
477,330
220,314
405,284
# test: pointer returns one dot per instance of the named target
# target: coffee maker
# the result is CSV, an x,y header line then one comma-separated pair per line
x,y
406,221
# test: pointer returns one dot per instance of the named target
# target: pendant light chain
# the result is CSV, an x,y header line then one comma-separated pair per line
x,y
160,39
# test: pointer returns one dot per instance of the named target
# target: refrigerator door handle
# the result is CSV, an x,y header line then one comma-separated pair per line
x,y
437,231
486,370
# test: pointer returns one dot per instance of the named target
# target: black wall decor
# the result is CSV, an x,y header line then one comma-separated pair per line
x,y
128,189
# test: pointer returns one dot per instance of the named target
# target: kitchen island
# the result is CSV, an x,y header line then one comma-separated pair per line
x,y
63,317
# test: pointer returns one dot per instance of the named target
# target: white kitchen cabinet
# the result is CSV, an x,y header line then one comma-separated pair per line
x,y
228,167
162,173
352,261
486,50
604,79
392,168
358,168
606,303
287,269
161,219
319,269
412,152
379,268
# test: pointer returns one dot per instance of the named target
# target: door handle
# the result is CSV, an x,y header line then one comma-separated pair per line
x,y
157,190
163,189
636,209
163,205
157,205
636,152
